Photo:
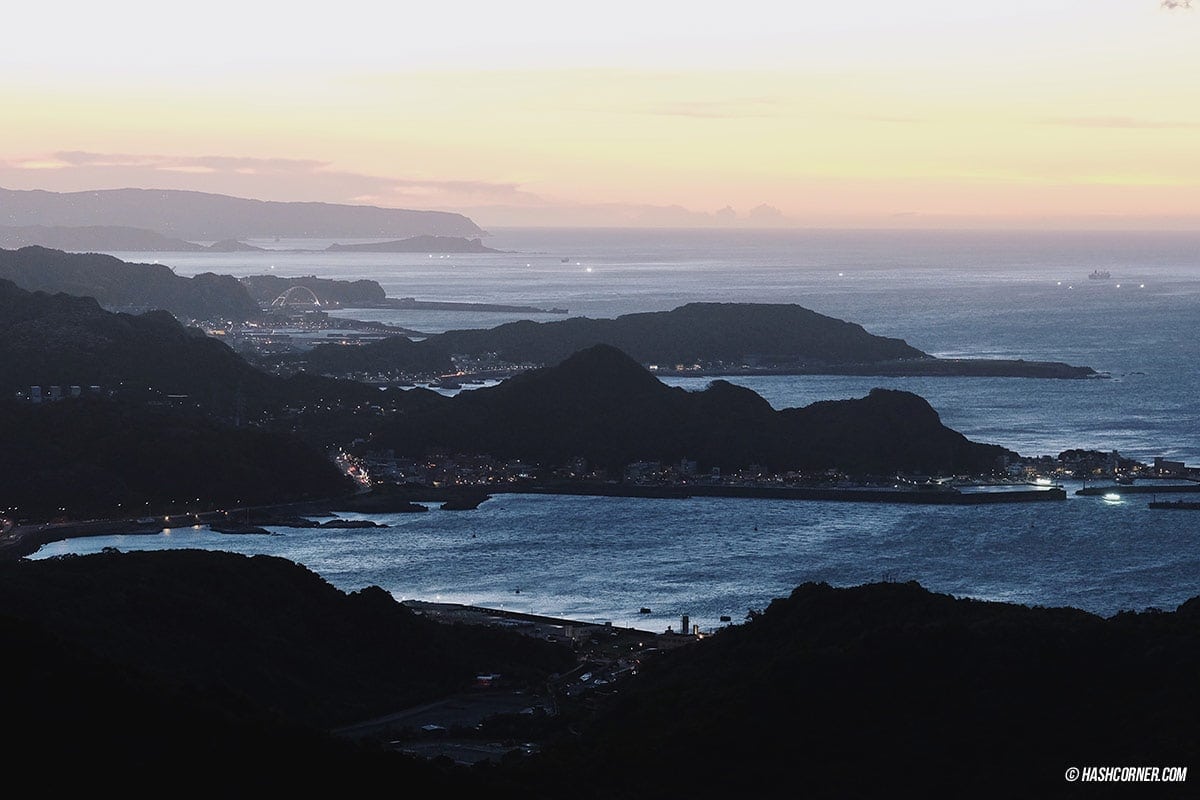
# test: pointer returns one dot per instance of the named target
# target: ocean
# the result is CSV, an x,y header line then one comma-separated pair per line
x,y
963,294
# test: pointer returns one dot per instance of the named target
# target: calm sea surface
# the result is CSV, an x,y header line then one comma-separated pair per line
x,y
1003,295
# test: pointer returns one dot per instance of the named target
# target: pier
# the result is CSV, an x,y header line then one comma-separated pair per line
x,y
1178,505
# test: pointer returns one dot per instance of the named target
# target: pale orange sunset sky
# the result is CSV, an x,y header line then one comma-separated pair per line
x,y
874,113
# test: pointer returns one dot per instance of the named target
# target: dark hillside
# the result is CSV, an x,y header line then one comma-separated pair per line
x,y
890,690
262,631
602,405
95,458
120,285
694,333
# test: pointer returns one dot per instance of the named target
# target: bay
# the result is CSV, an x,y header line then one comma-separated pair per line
x,y
596,559
979,294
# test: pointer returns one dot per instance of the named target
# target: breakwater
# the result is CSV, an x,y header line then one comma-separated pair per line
x,y
1173,488
938,496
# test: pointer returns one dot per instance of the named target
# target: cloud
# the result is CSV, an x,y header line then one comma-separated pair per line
x,y
1117,122
739,108
622,215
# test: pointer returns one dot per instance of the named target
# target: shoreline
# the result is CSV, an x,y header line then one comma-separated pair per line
x,y
25,539
915,368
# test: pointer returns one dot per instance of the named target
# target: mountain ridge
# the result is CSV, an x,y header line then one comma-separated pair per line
x,y
207,216
602,405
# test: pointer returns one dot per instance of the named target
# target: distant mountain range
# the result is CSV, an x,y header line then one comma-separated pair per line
x,y
199,216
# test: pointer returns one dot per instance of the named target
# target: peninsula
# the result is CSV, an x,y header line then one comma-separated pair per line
x,y
600,405
702,339
202,216
417,244
94,239
124,286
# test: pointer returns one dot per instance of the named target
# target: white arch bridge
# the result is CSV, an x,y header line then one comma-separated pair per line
x,y
297,297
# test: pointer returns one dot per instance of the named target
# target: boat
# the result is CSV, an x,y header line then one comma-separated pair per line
x,y
1100,275
565,260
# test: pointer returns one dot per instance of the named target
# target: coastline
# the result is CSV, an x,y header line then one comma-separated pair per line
x,y
912,368
25,539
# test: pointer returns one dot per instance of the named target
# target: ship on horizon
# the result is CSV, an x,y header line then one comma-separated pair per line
x,y
1100,275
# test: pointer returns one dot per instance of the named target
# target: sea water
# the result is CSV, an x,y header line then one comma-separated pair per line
x,y
956,294
598,559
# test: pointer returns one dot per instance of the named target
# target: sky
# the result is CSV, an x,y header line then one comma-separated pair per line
x,y
878,113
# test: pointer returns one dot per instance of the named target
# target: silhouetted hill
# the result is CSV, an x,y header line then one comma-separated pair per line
x,y
690,334
213,217
92,458
417,244
93,239
602,405
265,288
221,671
290,642
118,284
62,340
889,690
